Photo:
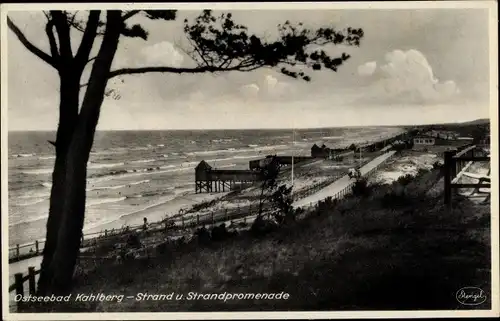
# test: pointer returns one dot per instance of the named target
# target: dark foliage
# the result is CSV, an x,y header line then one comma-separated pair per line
x,y
361,188
281,201
262,226
405,179
219,42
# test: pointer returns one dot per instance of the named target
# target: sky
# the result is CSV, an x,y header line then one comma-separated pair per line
x,y
414,66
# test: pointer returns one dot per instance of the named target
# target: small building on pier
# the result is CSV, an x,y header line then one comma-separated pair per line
x,y
209,180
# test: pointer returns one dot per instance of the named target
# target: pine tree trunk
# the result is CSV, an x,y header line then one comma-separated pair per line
x,y
73,209
68,108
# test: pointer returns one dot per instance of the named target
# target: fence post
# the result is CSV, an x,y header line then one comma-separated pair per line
x,y
31,280
37,247
448,163
19,284
182,218
17,250
197,219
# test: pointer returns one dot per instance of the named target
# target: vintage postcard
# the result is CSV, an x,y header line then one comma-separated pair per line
x,y
249,160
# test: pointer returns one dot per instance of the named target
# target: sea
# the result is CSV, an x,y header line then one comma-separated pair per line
x,y
132,172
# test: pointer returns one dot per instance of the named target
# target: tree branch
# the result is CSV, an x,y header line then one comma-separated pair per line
x,y
198,70
62,26
130,14
31,47
88,38
143,70
49,30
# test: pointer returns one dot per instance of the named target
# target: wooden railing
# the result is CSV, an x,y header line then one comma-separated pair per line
x,y
348,189
455,164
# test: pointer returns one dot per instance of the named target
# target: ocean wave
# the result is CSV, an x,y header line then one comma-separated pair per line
x,y
100,201
253,145
237,150
141,148
139,161
332,137
29,220
33,195
124,173
135,196
46,184
103,165
46,157
23,155
39,200
164,156
223,140
109,152
40,171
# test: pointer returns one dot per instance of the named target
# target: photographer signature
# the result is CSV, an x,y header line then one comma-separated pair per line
x,y
470,296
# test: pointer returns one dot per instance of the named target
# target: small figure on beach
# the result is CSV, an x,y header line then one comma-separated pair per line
x,y
145,225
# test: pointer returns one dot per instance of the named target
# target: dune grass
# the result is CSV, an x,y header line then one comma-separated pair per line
x,y
394,248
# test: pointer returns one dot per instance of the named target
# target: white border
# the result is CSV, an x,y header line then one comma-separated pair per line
x,y
493,48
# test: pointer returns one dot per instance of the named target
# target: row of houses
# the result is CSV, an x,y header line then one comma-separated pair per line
x,y
446,139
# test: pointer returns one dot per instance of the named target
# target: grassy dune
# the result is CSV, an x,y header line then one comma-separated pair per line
x,y
392,248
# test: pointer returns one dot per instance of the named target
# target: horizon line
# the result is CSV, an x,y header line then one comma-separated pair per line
x,y
256,128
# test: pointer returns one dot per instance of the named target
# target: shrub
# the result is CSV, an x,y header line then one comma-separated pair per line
x,y
361,188
395,199
405,179
219,233
202,235
262,226
281,202
437,165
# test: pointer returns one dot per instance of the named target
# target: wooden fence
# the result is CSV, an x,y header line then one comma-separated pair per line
x,y
455,164
20,279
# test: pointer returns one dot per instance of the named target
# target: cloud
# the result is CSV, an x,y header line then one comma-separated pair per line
x,y
266,87
367,69
271,82
250,91
162,53
407,77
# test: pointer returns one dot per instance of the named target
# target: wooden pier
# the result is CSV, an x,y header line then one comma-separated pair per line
x,y
209,180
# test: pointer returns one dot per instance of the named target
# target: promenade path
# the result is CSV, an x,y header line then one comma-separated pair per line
x,y
342,182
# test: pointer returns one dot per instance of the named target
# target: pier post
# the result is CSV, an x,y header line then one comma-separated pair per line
x,y
37,247
182,218
197,219
31,280
17,251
